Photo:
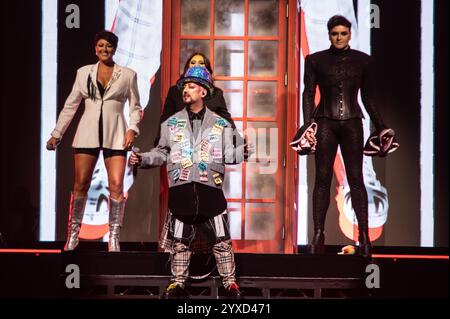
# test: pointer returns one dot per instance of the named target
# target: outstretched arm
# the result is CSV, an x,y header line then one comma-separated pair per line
x,y
157,156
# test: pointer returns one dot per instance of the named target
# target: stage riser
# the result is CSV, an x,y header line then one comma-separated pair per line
x,y
43,275
264,265
153,287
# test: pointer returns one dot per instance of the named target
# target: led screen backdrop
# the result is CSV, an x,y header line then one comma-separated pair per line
x,y
405,211
131,21
400,188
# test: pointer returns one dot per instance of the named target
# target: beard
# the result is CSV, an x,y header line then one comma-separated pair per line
x,y
187,99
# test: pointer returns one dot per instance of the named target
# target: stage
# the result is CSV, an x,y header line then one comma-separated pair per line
x,y
140,272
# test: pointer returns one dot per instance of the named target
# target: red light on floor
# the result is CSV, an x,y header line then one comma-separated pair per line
x,y
395,257
31,251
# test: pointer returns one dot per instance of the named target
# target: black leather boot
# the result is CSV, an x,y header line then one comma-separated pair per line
x,y
317,243
365,247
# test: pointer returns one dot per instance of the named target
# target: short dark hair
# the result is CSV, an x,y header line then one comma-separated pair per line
x,y
108,36
338,20
205,58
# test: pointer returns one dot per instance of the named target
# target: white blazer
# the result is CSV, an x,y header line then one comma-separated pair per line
x,y
121,87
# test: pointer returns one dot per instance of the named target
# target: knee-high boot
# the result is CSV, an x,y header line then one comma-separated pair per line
x,y
76,212
316,247
365,247
116,213
320,206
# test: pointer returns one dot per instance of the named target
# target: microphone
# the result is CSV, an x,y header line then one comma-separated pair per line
x,y
50,147
135,150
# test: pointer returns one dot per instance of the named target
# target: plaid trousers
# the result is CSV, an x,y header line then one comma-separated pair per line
x,y
181,240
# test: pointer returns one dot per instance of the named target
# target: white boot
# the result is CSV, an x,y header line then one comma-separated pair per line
x,y
76,212
116,213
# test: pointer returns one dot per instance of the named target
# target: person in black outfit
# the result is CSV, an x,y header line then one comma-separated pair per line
x,y
215,102
340,72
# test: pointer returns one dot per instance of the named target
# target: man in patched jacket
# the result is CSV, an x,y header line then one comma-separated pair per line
x,y
196,144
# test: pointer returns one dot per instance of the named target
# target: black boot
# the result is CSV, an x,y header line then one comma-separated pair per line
x,y
365,247
317,243
175,291
233,291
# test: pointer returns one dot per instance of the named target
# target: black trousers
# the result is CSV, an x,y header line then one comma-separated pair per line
x,y
349,135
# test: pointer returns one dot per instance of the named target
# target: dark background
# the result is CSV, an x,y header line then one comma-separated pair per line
x,y
441,124
396,48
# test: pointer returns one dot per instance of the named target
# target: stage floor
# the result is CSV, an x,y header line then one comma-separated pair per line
x,y
93,274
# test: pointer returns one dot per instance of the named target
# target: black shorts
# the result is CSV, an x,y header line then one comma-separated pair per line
x,y
107,152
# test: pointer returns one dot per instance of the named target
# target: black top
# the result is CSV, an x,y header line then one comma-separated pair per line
x,y
195,202
339,74
196,117
100,88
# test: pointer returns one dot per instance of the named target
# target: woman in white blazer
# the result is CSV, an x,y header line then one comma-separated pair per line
x,y
104,87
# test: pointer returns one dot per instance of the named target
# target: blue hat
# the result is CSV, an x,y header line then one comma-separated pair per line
x,y
199,75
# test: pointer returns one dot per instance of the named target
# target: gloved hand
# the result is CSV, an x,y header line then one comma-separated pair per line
x,y
381,142
305,142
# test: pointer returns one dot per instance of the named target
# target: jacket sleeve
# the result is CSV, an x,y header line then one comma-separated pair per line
x,y
309,92
134,105
159,154
368,95
70,108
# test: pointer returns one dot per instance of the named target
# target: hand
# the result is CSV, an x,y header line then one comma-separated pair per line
x,y
135,158
249,150
310,137
128,140
385,139
388,134
52,143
